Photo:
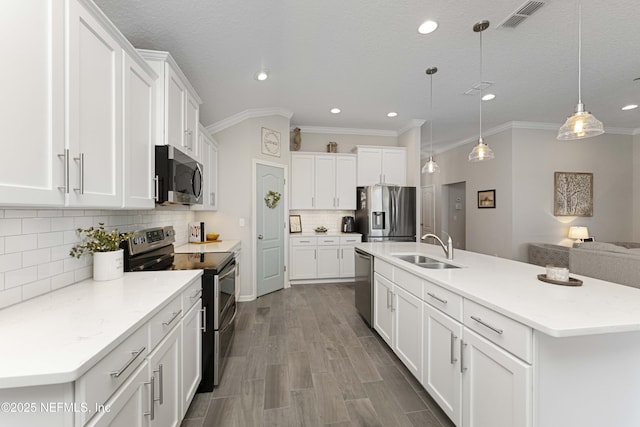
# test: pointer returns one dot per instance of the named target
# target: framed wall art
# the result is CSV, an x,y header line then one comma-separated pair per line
x,y
295,225
270,142
573,194
486,199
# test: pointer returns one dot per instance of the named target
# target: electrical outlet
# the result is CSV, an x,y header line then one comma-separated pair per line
x,y
241,222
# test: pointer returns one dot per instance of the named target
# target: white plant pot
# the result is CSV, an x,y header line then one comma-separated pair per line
x,y
108,265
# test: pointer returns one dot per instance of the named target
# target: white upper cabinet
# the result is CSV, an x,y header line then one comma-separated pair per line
x,y
302,181
139,122
382,165
94,104
64,116
323,181
32,111
177,105
209,157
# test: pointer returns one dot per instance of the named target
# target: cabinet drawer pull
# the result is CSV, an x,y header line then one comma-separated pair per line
x,y
486,325
196,293
134,356
174,316
160,384
452,359
80,161
304,241
152,399
65,159
387,298
444,301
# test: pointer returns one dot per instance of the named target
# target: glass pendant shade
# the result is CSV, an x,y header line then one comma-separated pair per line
x,y
431,166
582,124
481,152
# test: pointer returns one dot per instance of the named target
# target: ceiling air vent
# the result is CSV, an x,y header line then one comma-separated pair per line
x,y
520,15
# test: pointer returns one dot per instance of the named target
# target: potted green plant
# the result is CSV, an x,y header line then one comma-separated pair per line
x,y
104,246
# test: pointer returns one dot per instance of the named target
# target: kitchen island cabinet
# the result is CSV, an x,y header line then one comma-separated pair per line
x,y
501,348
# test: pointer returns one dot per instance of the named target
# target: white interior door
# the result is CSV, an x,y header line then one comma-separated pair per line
x,y
270,230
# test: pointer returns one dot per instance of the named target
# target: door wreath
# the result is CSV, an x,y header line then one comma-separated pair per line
x,y
272,198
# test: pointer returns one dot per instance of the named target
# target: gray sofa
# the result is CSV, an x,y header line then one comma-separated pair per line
x,y
617,262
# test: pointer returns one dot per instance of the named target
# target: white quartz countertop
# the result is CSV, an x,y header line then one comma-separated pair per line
x,y
513,289
57,337
212,246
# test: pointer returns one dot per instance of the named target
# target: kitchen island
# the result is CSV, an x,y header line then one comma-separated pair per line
x,y
495,346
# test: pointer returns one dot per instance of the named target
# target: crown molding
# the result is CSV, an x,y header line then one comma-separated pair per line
x,y
163,56
413,123
248,114
346,131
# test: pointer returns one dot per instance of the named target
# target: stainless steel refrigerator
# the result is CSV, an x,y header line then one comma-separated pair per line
x,y
386,212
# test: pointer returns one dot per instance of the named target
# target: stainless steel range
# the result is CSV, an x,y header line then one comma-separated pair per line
x,y
152,250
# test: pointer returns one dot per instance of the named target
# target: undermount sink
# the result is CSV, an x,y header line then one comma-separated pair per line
x,y
424,262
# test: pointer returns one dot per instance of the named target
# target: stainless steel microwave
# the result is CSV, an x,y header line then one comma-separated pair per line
x,y
178,177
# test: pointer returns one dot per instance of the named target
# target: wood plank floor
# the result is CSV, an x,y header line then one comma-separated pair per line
x,y
303,357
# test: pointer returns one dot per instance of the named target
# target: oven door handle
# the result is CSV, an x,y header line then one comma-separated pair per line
x,y
230,322
229,273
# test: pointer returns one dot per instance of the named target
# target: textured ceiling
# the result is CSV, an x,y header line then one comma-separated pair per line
x,y
366,57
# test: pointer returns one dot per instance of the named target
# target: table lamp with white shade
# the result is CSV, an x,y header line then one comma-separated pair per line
x,y
578,233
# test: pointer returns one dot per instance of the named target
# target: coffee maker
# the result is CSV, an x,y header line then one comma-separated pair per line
x,y
348,224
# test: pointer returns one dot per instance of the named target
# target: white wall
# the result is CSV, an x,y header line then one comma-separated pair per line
x,y
238,146
538,154
35,245
488,231
317,142
523,173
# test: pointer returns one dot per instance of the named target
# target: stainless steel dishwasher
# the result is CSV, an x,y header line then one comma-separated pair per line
x,y
364,285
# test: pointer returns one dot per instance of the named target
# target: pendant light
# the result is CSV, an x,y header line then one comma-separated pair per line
x,y
431,166
582,124
481,151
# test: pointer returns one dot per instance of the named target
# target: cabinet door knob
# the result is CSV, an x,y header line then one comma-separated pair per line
x,y
260,237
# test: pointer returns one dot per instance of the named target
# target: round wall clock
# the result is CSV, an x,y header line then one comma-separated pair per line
x,y
270,142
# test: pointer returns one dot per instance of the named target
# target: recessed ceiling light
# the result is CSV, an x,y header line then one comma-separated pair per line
x,y
427,27
335,111
262,75
488,97
629,107
392,114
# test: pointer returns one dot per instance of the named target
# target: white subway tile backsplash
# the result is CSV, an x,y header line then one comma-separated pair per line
x,y
49,213
47,240
36,288
25,242
36,257
61,224
62,280
50,269
10,297
36,225
20,213
35,245
10,262
10,227
20,277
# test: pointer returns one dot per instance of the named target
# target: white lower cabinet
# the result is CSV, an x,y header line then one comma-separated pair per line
x,y
441,374
129,405
191,354
382,314
496,386
164,371
407,331
327,257
477,380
